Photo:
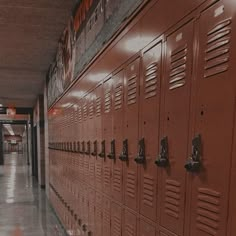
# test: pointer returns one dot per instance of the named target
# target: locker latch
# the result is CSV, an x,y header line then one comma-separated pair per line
x,y
124,155
83,148
112,154
194,162
163,160
70,147
74,147
94,153
84,228
88,148
78,147
102,154
140,159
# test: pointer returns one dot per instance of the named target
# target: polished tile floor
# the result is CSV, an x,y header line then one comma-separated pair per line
x,y
24,209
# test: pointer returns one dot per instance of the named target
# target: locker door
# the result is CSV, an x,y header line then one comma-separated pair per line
x,y
98,132
130,223
146,229
131,133
149,129
85,138
91,197
116,219
106,229
118,117
91,140
98,214
81,133
174,136
107,135
213,128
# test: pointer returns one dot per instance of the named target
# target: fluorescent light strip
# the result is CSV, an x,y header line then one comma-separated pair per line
x,y
9,129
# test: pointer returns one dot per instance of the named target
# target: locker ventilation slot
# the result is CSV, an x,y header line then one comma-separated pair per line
x,y
91,110
118,96
151,80
117,180
129,230
132,90
98,106
117,226
148,191
85,115
172,198
217,49
107,176
80,114
91,170
130,185
178,67
107,105
208,211
106,215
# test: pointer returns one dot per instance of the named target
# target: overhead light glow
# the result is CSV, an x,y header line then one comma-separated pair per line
x,y
9,129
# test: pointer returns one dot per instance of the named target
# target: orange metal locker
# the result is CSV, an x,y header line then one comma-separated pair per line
x,y
130,128
121,150
213,123
116,219
81,133
130,226
150,88
174,136
107,134
99,144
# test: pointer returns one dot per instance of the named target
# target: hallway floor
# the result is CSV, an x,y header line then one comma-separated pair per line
x,y
24,209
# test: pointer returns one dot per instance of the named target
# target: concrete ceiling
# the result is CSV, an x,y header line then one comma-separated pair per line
x,y
29,32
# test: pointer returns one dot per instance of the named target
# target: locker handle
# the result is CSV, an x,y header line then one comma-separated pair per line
x,y
83,148
74,146
163,160
78,147
112,154
84,227
140,159
102,154
88,148
94,153
124,155
194,162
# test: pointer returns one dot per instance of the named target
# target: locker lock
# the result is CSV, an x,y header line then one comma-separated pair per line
x,y
163,160
94,153
124,155
88,148
102,154
78,147
112,154
140,159
194,162
74,147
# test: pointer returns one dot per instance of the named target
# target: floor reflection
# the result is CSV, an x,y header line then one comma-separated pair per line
x,y
24,209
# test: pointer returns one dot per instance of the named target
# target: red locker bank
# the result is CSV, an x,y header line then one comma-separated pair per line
x,y
147,147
